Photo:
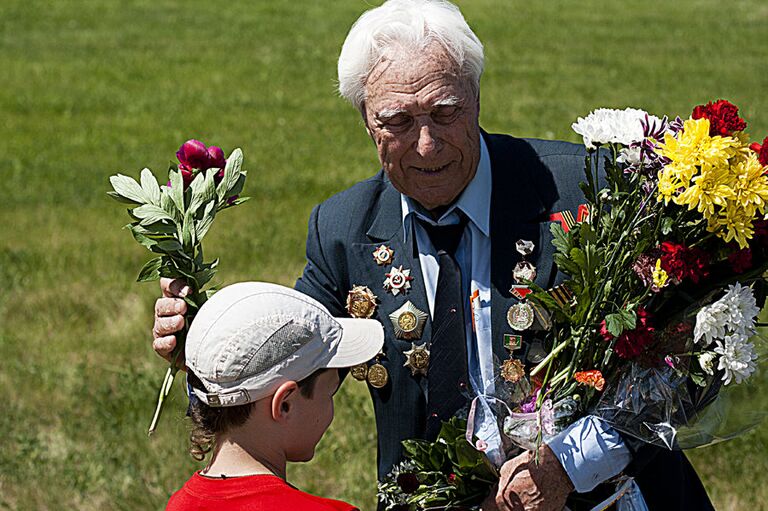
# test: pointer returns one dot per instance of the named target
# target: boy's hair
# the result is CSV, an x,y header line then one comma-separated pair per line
x,y
208,421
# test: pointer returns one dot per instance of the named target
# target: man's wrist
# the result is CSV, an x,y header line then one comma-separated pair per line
x,y
590,452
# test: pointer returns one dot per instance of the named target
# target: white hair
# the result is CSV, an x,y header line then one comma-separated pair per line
x,y
399,24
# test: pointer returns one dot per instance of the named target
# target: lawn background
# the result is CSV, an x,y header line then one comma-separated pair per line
x,y
91,88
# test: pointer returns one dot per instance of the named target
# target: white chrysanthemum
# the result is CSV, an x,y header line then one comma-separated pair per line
x,y
707,361
606,125
711,322
735,312
737,358
630,157
742,308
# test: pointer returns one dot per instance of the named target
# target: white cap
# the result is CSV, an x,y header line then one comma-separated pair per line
x,y
251,337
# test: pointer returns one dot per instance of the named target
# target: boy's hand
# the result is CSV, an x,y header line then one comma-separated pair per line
x,y
169,317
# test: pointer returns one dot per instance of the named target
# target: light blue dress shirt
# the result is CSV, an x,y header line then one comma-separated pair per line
x,y
589,450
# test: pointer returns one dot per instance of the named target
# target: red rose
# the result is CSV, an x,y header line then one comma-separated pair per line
x,y
741,260
762,151
631,344
723,117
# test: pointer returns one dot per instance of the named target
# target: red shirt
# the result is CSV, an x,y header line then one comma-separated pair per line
x,y
247,493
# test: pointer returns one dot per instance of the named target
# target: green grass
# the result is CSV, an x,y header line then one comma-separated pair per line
x,y
91,88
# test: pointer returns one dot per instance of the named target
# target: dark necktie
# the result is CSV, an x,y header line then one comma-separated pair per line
x,y
447,372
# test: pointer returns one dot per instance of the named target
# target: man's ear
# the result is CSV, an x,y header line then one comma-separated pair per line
x,y
283,400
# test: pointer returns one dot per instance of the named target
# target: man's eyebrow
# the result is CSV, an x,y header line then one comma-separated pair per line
x,y
389,113
449,101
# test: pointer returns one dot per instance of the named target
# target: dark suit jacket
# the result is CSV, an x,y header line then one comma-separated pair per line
x,y
531,179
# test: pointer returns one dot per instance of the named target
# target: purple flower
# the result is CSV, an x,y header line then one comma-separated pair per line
x,y
408,482
193,155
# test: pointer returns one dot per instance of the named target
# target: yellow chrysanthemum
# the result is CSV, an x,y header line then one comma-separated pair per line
x,y
712,187
669,184
750,185
694,147
733,224
659,276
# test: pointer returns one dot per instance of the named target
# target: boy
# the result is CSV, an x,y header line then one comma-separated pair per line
x,y
263,366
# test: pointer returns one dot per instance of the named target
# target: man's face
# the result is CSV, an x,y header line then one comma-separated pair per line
x,y
423,116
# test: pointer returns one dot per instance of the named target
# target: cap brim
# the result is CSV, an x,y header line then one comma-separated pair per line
x,y
361,341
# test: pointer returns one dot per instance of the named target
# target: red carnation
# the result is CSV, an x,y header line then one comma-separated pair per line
x,y
762,151
681,262
631,344
741,260
723,117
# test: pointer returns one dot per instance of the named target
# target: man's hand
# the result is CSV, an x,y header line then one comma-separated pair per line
x,y
169,317
525,485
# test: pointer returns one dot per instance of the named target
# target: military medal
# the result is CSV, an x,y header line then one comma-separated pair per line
x,y
361,302
398,280
408,321
417,359
513,342
377,375
524,270
536,352
359,372
383,255
520,316
512,370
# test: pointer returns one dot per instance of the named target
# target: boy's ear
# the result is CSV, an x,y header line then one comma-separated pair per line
x,y
283,400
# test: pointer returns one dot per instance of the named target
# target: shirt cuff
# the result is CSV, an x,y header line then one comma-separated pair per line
x,y
591,452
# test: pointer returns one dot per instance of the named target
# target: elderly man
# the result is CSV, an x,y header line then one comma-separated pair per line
x,y
435,233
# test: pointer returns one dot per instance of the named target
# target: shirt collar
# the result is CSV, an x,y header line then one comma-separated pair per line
x,y
474,201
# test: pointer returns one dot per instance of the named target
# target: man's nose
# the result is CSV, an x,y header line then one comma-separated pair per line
x,y
428,143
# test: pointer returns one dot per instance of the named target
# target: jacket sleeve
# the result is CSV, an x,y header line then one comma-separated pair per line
x,y
319,279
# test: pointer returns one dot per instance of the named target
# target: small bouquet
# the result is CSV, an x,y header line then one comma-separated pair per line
x,y
173,219
656,316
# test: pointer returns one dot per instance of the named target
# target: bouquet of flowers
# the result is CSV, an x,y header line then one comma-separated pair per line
x,y
173,219
664,280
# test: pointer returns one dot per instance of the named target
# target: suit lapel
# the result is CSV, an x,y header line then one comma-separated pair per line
x,y
387,229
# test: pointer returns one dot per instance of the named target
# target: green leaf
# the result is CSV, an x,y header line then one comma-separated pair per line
x,y
205,223
142,239
617,322
128,188
150,271
231,175
204,276
559,237
177,188
120,198
188,231
203,189
150,186
698,379
166,202
149,214
170,245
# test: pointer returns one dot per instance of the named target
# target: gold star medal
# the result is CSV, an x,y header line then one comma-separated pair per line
x,y
398,280
512,370
417,359
408,321
520,316
383,255
361,302
359,372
